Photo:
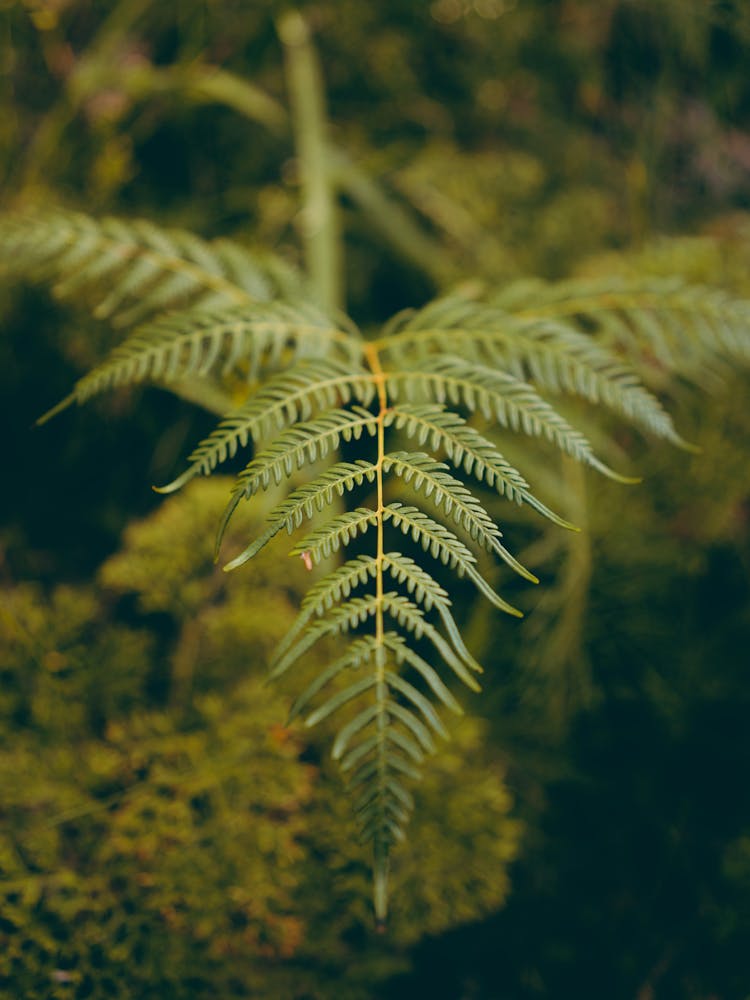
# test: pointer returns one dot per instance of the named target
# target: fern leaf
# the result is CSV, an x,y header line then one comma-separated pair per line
x,y
418,581
195,343
334,587
412,618
359,652
418,699
442,544
549,351
403,653
412,722
352,728
133,269
452,496
303,444
428,592
335,533
337,620
682,324
339,699
301,504
284,399
466,446
497,396
211,310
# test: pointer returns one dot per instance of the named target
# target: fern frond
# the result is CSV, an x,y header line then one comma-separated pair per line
x,y
444,545
285,399
341,618
242,339
552,353
385,740
211,310
323,541
417,580
410,693
299,505
427,592
360,651
455,499
412,618
682,324
340,699
326,592
336,620
340,583
498,396
132,269
305,443
403,653
466,446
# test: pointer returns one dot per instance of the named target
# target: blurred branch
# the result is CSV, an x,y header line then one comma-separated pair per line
x,y
387,216
558,667
320,227
209,83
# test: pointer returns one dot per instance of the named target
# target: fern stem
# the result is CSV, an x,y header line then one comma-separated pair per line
x,y
392,221
320,228
380,844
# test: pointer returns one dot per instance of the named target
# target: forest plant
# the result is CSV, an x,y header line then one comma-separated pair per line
x,y
405,426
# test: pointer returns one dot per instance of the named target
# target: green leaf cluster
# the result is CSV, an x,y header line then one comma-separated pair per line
x,y
317,386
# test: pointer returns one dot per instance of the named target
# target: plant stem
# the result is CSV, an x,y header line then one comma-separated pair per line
x,y
380,845
391,219
320,226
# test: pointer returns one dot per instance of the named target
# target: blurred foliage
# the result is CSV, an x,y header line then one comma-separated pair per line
x,y
161,832
168,838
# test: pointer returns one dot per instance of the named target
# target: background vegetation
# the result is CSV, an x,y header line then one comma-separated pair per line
x,y
161,833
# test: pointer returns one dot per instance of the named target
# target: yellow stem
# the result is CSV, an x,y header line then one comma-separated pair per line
x,y
380,847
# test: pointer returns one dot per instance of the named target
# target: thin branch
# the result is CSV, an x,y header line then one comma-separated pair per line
x,y
320,225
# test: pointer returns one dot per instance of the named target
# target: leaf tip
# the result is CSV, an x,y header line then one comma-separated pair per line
x,y
62,405
176,484
380,885
694,449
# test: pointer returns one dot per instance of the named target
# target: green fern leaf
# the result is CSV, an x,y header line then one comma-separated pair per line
x,y
337,619
497,396
305,443
284,399
196,343
683,325
213,311
341,698
360,651
466,446
427,592
552,353
324,594
133,269
452,496
412,618
443,545
335,533
300,505
416,697
403,653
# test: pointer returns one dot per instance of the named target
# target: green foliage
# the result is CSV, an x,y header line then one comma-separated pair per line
x,y
491,360
199,847
485,140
